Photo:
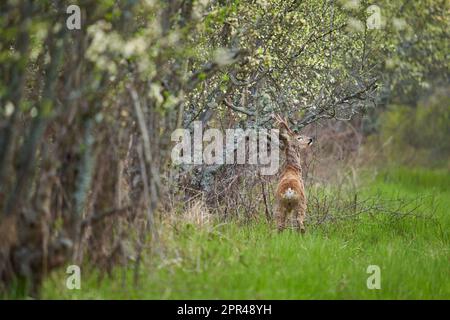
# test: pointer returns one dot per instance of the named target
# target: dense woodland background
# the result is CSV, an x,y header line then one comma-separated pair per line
x,y
86,115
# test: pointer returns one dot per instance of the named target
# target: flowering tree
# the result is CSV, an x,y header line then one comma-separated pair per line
x,y
86,114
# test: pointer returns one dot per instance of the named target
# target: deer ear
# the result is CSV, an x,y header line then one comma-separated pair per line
x,y
284,135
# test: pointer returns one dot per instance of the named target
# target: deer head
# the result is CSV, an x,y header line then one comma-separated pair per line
x,y
290,137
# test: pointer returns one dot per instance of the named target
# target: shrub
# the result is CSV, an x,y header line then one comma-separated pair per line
x,y
419,135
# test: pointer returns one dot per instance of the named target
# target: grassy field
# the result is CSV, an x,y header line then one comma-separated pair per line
x,y
251,261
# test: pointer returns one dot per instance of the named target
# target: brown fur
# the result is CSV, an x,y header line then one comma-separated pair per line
x,y
290,193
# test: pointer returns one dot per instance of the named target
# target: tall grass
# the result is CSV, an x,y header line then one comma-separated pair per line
x,y
252,261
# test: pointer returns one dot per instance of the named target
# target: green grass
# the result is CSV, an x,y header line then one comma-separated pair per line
x,y
251,261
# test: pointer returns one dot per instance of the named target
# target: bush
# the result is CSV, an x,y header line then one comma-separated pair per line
x,y
419,135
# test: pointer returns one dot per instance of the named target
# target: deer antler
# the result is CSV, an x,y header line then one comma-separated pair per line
x,y
283,122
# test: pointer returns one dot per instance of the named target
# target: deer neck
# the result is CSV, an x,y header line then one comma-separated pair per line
x,y
293,158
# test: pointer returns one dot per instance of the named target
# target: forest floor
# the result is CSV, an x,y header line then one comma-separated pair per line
x,y
252,261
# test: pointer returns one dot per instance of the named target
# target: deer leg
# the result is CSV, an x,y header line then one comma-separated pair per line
x,y
301,217
281,218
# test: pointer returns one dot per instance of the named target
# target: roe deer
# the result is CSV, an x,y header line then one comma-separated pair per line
x,y
290,194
